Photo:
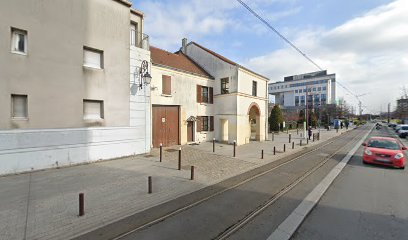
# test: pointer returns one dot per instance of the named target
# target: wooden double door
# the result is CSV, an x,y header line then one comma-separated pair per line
x,y
166,125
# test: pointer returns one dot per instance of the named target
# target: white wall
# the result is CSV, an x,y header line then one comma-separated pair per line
x,y
23,150
183,94
140,105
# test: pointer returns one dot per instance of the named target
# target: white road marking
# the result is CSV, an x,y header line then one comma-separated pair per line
x,y
288,227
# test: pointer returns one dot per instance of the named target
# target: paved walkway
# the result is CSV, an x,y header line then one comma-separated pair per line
x,y
44,204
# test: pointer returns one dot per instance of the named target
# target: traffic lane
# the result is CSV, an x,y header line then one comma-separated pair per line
x,y
364,202
212,217
265,223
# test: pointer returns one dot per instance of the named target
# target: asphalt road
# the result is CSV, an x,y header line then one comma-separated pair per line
x,y
212,217
365,202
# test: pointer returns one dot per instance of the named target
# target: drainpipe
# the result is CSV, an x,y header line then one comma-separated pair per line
x,y
266,112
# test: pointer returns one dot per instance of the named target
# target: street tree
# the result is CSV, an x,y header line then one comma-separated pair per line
x,y
276,118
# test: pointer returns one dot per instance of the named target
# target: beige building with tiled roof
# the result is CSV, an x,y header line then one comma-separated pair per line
x,y
182,100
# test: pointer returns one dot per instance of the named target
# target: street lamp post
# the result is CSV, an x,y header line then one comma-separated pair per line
x,y
144,76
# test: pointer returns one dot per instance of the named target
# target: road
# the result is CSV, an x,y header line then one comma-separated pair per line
x,y
277,190
365,202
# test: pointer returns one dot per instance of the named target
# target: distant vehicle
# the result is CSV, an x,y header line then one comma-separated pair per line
x,y
392,125
384,151
403,131
398,128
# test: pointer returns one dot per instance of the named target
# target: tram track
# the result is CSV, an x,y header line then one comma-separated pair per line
x,y
248,217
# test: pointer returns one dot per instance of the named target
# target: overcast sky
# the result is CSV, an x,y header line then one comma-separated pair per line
x,y
365,42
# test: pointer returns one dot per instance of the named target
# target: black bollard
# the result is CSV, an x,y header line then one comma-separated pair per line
x,y
161,152
149,184
179,159
81,205
235,145
192,173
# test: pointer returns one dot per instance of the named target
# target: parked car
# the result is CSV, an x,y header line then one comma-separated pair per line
x,y
392,125
398,127
403,131
384,151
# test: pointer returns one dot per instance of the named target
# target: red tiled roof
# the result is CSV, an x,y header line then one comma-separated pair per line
x,y
177,61
226,59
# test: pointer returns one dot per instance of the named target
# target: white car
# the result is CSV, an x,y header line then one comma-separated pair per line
x,y
398,127
403,131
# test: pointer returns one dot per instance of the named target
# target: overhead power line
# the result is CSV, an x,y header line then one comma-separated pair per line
x,y
291,44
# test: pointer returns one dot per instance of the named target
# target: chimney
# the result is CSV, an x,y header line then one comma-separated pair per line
x,y
184,46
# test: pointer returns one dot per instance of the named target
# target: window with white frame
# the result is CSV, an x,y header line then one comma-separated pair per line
x,y
18,41
93,109
133,34
19,108
93,58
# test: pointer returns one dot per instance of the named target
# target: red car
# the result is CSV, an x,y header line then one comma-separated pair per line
x,y
385,151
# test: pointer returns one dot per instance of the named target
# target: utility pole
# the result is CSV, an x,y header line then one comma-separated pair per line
x,y
389,106
360,108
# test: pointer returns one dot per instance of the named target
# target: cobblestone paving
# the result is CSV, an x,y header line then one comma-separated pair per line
x,y
44,204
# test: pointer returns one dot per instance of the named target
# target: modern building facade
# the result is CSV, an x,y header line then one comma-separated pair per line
x,y
240,96
67,83
315,89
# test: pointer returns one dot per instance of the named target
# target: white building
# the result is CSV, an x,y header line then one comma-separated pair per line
x,y
240,96
319,88
68,92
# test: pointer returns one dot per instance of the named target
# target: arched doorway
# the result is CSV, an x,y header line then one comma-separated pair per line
x,y
254,117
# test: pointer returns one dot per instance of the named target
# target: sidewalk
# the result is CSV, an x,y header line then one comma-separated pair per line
x,y
44,204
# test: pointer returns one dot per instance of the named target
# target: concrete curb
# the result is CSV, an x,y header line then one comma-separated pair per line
x,y
289,226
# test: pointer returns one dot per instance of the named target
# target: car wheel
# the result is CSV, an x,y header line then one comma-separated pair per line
x,y
402,168
364,162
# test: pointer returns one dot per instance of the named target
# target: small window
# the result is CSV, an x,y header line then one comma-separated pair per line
x,y
133,34
314,89
324,88
19,107
254,88
18,41
204,94
319,89
296,91
205,123
93,109
166,85
93,58
224,85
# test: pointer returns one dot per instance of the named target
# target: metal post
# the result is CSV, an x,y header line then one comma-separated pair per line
x,y
213,144
262,154
313,137
161,152
293,145
149,184
179,159
297,130
300,142
307,141
284,147
235,144
290,137
274,150
192,173
81,205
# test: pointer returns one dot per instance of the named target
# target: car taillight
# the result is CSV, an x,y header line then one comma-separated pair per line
x,y
368,152
399,156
